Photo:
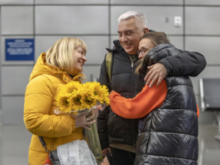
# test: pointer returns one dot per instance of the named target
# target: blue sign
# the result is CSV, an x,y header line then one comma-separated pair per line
x,y
19,49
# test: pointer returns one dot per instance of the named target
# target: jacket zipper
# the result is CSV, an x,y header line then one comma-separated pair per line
x,y
132,66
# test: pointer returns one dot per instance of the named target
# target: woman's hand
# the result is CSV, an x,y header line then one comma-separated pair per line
x,y
83,121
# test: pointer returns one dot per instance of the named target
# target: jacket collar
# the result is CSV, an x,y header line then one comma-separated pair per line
x,y
67,78
116,47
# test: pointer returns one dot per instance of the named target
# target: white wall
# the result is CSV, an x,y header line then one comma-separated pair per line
x,y
95,22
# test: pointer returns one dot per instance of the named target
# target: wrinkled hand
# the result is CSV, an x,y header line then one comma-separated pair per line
x,y
96,111
83,121
157,72
106,150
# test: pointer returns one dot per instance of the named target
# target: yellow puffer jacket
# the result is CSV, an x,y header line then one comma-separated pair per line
x,y
40,103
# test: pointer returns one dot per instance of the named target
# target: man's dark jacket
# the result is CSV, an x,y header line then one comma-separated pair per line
x,y
114,129
168,134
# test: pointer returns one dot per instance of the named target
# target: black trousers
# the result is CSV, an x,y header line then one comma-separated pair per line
x,y
121,157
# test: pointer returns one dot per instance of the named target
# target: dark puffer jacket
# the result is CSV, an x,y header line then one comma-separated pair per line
x,y
168,135
120,130
113,129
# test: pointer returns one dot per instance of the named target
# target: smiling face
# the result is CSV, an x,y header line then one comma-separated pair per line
x,y
79,58
129,34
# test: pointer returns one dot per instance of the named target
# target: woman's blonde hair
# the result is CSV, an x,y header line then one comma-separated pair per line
x,y
61,53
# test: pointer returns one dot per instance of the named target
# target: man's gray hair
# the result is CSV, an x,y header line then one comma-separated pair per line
x,y
135,14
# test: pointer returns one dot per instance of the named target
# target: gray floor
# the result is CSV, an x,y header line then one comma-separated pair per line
x,y
14,143
209,148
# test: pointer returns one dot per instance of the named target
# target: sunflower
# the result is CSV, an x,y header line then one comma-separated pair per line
x,y
105,92
87,88
75,96
93,90
72,87
63,102
76,102
97,91
89,101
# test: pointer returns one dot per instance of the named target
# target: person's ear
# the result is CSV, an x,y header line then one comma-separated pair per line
x,y
146,30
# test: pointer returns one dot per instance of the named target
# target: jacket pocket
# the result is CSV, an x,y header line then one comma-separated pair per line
x,y
115,125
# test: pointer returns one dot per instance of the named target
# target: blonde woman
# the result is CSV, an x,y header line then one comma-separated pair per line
x,y
62,63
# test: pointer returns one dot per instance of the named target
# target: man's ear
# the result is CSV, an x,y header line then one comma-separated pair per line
x,y
146,30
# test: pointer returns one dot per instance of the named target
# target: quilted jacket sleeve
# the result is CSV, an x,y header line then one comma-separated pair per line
x,y
37,107
184,64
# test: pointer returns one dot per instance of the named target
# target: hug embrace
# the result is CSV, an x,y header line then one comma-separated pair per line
x,y
152,122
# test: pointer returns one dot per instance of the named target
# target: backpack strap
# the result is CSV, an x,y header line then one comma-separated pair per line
x,y
43,143
108,63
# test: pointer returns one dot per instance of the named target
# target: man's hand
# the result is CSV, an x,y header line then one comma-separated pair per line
x,y
157,72
105,151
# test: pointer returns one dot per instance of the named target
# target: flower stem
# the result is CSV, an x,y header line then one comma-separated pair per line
x,y
94,142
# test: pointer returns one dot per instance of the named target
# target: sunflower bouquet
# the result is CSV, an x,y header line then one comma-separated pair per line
x,y
75,99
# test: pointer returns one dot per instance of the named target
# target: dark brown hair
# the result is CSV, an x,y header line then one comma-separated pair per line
x,y
156,39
